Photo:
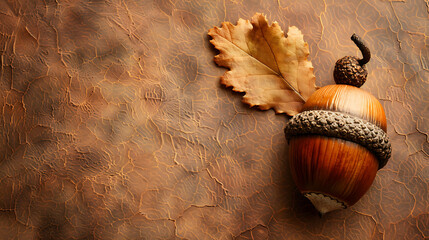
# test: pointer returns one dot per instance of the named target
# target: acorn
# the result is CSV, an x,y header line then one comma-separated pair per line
x,y
338,142
350,70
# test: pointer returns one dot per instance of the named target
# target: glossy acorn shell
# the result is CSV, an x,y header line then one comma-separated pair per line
x,y
339,169
348,99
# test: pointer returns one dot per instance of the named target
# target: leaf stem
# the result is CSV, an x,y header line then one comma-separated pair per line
x,y
293,89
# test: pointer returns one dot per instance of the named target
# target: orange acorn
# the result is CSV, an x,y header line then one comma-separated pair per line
x,y
338,141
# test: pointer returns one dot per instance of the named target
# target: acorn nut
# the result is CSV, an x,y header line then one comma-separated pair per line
x,y
338,142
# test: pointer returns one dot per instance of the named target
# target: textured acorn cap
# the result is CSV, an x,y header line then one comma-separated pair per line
x,y
349,71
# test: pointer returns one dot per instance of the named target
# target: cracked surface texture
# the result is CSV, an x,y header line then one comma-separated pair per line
x,y
114,124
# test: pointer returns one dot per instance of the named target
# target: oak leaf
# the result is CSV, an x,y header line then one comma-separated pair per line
x,y
270,68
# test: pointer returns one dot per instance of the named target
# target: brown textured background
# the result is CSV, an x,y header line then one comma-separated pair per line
x,y
114,124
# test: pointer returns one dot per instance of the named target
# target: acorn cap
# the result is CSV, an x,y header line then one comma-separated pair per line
x,y
350,70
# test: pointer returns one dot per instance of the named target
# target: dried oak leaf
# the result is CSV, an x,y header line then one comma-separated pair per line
x,y
272,69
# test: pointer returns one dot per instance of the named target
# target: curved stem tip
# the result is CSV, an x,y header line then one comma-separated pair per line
x,y
366,54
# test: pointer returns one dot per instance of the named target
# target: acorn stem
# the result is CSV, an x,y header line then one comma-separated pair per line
x,y
366,54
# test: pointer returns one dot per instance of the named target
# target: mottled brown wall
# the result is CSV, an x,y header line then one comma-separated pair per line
x,y
114,125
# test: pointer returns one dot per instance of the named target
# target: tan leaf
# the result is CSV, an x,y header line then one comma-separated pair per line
x,y
273,70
